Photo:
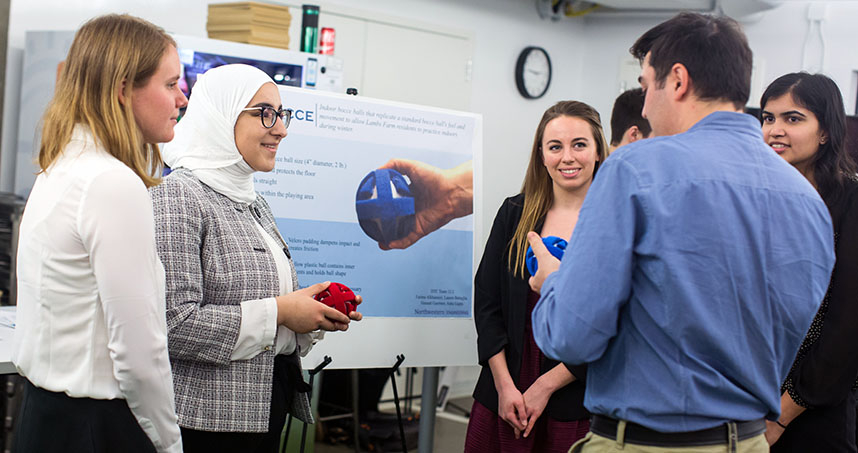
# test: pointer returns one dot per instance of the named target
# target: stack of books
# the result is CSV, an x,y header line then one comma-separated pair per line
x,y
258,23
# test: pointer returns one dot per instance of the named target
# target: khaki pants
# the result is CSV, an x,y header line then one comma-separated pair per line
x,y
594,443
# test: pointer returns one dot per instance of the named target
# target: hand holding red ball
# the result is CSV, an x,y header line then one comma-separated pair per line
x,y
301,311
339,297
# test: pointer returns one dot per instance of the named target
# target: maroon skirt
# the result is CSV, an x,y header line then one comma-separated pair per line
x,y
487,432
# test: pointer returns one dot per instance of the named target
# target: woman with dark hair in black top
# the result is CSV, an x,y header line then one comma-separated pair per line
x,y
805,123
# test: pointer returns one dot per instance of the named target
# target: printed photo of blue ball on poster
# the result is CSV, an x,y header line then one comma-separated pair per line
x,y
363,194
385,206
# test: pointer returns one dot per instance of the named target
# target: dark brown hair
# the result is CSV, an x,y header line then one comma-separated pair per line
x,y
627,113
713,49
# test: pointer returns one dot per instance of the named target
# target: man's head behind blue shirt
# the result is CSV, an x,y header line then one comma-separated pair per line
x,y
691,66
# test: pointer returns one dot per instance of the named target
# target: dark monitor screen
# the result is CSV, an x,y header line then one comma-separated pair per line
x,y
282,73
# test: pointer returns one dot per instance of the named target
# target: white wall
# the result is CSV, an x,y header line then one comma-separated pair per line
x,y
779,39
776,37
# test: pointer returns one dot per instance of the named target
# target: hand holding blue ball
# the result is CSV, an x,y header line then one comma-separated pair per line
x,y
385,206
555,245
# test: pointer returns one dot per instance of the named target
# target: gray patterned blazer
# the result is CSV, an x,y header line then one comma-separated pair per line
x,y
215,258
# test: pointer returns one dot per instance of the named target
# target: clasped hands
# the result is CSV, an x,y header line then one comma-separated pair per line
x,y
521,410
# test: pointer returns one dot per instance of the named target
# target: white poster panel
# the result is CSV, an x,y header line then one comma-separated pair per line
x,y
417,300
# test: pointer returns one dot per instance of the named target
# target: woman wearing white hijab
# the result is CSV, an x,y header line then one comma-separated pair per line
x,y
236,320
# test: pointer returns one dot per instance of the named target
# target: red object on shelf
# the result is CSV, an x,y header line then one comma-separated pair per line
x,y
339,297
326,41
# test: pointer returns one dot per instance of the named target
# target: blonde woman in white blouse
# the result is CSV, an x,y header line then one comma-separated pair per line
x,y
91,332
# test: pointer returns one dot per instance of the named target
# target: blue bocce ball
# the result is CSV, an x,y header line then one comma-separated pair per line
x,y
554,244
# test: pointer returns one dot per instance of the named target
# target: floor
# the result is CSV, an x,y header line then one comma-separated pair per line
x,y
449,436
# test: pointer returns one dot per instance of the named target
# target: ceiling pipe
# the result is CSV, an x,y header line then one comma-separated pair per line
x,y
745,10
635,13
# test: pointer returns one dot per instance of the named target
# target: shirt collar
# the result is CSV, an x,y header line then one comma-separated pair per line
x,y
733,121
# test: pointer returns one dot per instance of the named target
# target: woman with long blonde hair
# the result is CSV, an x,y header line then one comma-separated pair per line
x,y
524,402
91,330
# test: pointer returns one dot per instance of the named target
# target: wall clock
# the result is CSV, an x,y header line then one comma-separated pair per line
x,y
533,72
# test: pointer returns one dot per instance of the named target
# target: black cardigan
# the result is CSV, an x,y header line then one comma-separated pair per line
x,y
826,366
500,310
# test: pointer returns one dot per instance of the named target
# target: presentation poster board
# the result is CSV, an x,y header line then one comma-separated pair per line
x,y
417,300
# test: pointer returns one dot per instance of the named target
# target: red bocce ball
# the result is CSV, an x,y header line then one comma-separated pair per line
x,y
339,297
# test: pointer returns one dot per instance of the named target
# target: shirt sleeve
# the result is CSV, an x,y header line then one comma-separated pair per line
x,y
826,373
197,331
257,330
581,302
116,227
302,342
488,310
579,371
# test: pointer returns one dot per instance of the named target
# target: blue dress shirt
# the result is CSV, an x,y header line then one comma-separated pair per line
x,y
695,269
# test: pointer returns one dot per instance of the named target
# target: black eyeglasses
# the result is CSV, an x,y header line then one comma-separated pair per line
x,y
269,115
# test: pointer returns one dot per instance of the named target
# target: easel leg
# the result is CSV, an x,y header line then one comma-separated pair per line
x,y
286,435
399,359
427,410
355,409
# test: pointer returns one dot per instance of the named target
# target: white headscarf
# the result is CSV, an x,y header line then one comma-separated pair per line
x,y
204,140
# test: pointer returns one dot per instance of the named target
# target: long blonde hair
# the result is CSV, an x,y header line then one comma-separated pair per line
x,y
106,51
537,186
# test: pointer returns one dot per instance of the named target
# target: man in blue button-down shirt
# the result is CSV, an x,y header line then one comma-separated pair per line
x,y
697,264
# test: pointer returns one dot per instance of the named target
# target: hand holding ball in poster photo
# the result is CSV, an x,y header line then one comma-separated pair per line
x,y
405,200
385,207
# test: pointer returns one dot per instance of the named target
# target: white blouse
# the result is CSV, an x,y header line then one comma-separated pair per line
x,y
91,311
259,317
